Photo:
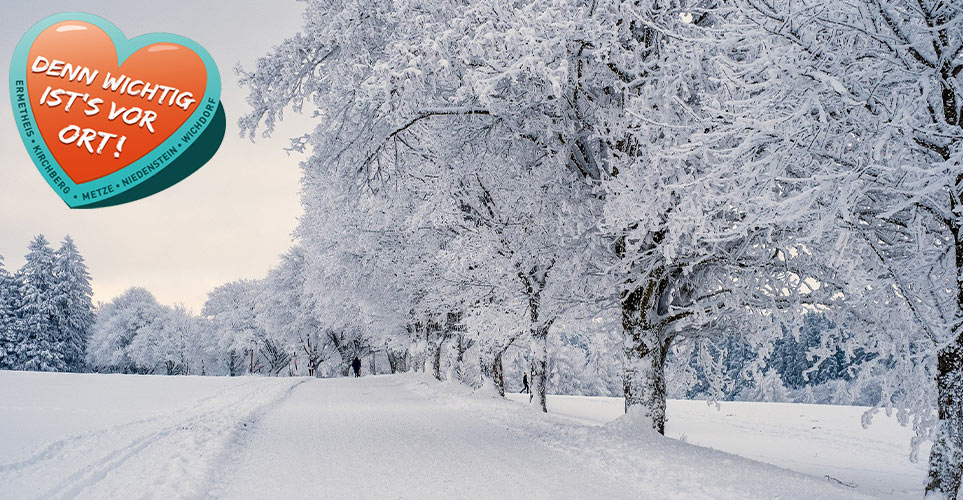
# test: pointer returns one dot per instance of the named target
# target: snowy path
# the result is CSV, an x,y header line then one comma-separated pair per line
x,y
370,438
109,436
405,437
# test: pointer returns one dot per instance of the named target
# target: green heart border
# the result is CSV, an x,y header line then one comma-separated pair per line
x,y
208,109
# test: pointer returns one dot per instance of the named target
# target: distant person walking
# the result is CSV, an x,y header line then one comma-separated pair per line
x,y
356,366
525,388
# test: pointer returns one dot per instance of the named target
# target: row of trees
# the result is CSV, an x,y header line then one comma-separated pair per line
x,y
46,310
135,334
279,325
243,329
679,172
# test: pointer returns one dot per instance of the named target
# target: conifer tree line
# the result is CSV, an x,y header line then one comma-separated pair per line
x,y
46,312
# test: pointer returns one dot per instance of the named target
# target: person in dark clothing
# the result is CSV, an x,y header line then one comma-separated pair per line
x,y
356,366
525,388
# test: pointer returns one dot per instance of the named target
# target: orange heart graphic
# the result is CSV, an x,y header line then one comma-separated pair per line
x,y
97,116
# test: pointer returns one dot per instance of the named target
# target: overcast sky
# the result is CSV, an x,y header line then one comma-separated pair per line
x,y
198,234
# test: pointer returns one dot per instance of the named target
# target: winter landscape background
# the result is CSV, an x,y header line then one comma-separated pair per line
x,y
689,225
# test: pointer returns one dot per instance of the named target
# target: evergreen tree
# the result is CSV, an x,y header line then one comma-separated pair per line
x,y
9,331
40,346
720,368
725,369
72,294
806,360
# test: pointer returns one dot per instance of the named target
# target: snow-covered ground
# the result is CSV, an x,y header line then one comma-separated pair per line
x,y
122,436
819,440
115,436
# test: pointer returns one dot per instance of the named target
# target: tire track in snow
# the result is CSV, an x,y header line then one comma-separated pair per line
x,y
170,440
51,450
223,467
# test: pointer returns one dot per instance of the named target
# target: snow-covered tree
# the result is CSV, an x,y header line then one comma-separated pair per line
x,y
230,309
871,92
366,271
118,324
739,164
244,316
721,368
470,186
231,325
769,387
517,229
41,345
168,343
284,307
603,377
9,318
804,358
72,294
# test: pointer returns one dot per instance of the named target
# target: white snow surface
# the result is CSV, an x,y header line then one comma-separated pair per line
x,y
819,440
123,436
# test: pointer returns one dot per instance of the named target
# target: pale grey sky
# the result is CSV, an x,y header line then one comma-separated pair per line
x,y
229,220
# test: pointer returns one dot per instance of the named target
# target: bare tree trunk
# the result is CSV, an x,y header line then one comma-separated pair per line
x,y
534,282
344,351
459,358
645,350
946,456
491,368
396,360
644,378
314,352
313,366
436,334
399,362
373,364
436,358
392,361
498,374
276,356
539,366
462,346
235,363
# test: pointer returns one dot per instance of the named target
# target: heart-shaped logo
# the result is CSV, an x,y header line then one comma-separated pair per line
x,y
109,120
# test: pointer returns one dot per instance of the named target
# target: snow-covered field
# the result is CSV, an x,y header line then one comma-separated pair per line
x,y
115,436
819,440
97,436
